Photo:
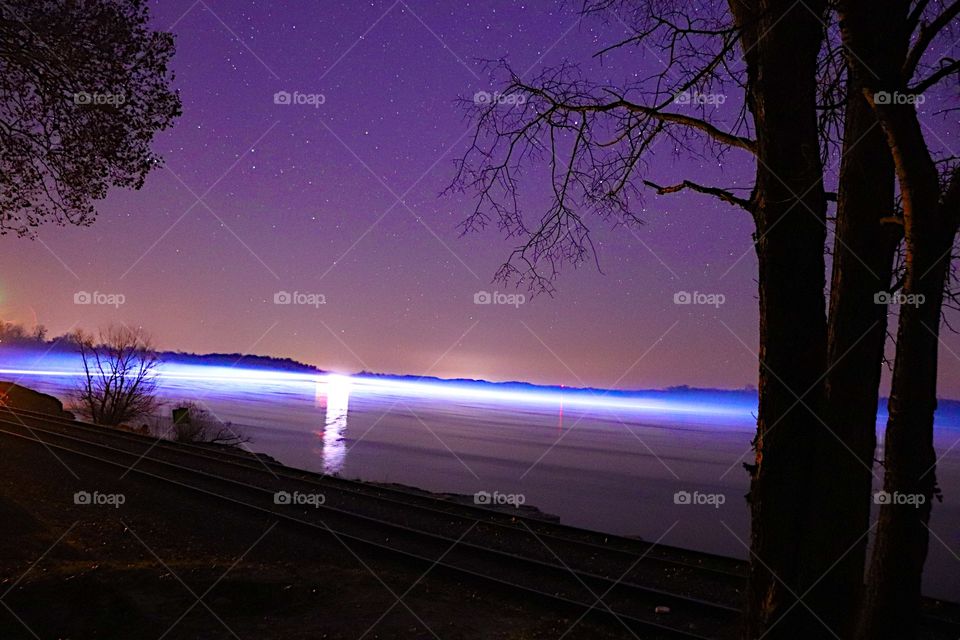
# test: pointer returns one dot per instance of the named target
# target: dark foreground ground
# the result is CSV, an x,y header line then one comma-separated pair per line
x,y
171,564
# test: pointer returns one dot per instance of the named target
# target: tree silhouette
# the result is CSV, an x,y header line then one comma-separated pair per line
x,y
119,381
84,87
890,58
819,373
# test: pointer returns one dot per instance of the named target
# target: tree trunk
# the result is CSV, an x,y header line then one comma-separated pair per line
x,y
864,247
781,40
892,599
892,602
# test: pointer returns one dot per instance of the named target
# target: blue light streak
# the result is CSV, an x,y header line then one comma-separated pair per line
x,y
693,403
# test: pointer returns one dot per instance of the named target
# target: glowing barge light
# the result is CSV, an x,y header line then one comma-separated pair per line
x,y
238,378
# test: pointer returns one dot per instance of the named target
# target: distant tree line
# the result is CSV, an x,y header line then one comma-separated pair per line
x,y
17,335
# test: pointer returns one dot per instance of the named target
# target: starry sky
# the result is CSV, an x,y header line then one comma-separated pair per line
x,y
337,198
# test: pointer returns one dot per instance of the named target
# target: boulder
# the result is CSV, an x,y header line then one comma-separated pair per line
x,y
20,397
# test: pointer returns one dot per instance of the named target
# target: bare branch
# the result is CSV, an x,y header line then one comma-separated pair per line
x,y
926,35
948,66
722,194
596,140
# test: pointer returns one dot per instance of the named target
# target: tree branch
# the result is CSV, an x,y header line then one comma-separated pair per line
x,y
952,67
914,18
928,31
722,194
950,201
698,124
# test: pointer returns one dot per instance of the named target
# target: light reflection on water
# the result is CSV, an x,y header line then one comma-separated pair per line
x,y
333,395
611,464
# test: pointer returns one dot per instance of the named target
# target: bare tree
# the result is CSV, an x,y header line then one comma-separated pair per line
x,y
119,380
596,141
805,101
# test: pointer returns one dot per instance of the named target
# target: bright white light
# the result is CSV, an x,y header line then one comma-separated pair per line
x,y
337,389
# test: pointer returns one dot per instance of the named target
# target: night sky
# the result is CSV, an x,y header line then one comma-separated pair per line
x,y
341,199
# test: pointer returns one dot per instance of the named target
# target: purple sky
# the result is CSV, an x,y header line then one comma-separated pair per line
x,y
342,200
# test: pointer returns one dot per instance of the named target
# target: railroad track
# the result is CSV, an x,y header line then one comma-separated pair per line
x,y
612,576
672,560
628,603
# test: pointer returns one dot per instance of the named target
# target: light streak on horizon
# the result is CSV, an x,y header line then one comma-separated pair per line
x,y
480,391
